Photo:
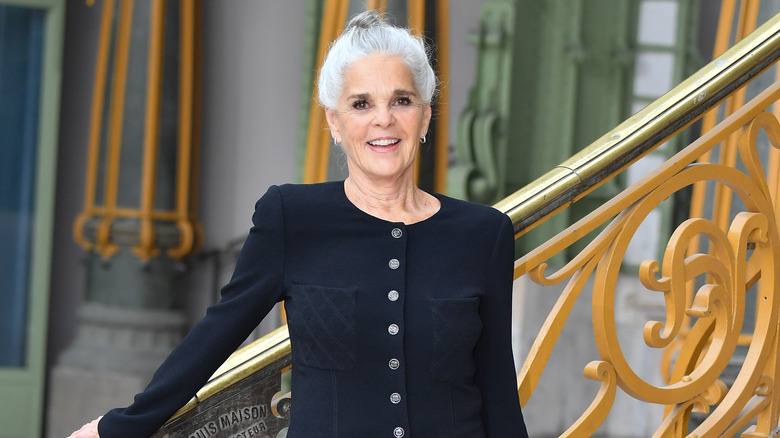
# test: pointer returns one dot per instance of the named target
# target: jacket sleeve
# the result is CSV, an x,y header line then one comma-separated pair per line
x,y
495,370
256,285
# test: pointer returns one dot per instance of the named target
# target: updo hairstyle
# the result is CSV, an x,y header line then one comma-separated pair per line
x,y
367,34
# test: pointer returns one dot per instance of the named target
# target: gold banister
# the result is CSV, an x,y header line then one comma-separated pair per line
x,y
245,361
534,365
640,133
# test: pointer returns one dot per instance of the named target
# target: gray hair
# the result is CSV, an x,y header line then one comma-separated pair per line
x,y
366,34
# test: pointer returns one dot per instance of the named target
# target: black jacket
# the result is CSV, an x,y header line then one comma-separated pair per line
x,y
396,330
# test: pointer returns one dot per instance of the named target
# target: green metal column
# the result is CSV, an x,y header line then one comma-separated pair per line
x,y
551,77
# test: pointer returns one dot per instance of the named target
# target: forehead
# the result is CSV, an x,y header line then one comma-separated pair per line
x,y
378,74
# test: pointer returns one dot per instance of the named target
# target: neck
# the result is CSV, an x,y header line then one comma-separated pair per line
x,y
397,200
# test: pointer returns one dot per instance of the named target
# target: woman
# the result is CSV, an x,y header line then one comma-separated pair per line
x,y
398,301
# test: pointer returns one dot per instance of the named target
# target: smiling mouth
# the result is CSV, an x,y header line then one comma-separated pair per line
x,y
384,142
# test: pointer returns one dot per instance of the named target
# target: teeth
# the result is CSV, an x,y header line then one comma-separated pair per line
x,y
382,142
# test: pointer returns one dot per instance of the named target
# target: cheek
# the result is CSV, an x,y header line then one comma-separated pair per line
x,y
353,127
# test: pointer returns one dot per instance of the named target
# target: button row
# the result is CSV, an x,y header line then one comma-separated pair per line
x,y
393,329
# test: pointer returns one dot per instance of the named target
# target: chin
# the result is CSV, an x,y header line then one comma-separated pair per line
x,y
394,175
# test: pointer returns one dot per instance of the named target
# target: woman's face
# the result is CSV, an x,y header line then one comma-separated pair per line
x,y
379,118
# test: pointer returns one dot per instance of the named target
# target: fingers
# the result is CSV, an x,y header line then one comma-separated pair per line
x,y
88,430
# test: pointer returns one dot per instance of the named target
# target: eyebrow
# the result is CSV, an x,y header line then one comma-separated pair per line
x,y
398,92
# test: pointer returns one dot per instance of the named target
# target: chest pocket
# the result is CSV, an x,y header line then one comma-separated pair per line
x,y
456,329
322,326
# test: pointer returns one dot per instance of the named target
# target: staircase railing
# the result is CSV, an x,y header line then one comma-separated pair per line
x,y
705,289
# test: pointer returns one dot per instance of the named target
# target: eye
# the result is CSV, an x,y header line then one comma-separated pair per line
x,y
403,101
360,104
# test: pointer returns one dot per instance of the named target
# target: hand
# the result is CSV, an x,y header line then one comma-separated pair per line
x,y
88,430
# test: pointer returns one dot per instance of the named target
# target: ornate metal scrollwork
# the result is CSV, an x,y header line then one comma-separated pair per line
x,y
704,295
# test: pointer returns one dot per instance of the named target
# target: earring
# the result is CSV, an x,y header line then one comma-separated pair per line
x,y
423,139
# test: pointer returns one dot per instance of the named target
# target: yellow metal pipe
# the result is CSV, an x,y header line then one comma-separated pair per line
x,y
196,124
313,162
118,91
372,4
146,240
415,16
184,147
442,111
415,20
748,15
136,213
324,142
315,116
186,106
116,119
710,118
723,33
96,121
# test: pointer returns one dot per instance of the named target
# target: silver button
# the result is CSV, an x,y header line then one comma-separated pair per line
x,y
397,233
398,432
392,329
392,295
394,364
395,398
394,263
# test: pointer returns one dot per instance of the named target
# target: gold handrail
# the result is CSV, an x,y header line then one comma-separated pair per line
x,y
642,132
241,364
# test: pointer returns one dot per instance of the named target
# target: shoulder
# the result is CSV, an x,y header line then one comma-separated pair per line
x,y
310,190
304,204
292,195
470,214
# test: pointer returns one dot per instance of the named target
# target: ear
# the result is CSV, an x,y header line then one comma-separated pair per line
x,y
332,119
426,119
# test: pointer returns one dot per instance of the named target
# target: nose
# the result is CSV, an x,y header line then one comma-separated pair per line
x,y
383,116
